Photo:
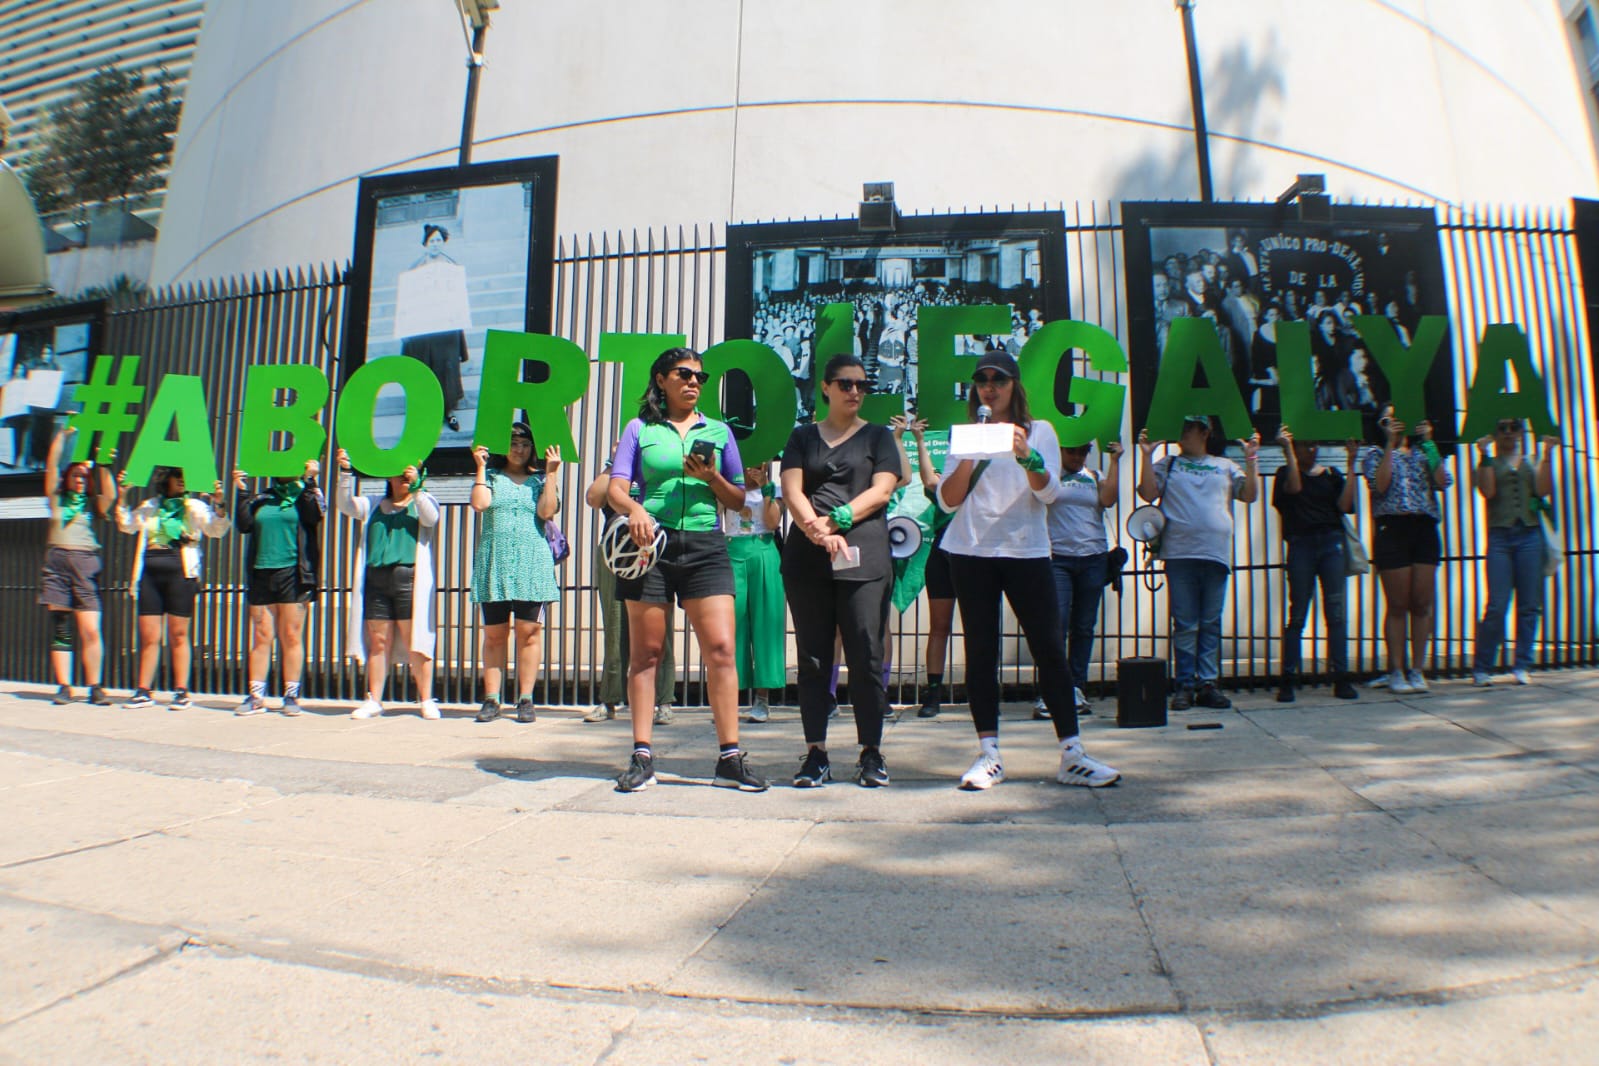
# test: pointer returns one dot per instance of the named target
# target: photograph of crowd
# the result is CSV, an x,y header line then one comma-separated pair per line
x,y
38,369
441,259
1246,271
945,261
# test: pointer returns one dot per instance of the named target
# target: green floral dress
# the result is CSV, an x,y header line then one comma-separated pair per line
x,y
513,560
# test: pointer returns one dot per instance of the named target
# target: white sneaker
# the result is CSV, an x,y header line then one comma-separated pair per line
x,y
430,710
1521,676
1082,700
985,773
1481,680
1040,710
1078,768
368,708
1416,682
1398,685
1380,681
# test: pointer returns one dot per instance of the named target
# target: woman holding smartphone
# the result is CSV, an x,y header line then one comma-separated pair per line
x,y
838,475
687,468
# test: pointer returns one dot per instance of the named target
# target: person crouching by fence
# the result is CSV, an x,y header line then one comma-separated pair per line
x,y
513,571
283,559
166,572
70,584
391,608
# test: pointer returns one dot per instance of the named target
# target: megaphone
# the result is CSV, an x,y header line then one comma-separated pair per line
x,y
1146,523
904,536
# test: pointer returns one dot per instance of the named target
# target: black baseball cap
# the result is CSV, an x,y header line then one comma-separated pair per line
x,y
1001,361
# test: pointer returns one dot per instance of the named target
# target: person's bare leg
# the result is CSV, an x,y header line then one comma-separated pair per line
x,y
377,657
90,648
529,650
261,634
713,621
179,650
291,641
1396,615
495,640
149,649
1423,592
646,630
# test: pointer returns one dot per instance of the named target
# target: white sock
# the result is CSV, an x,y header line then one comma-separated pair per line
x,y
989,745
1072,744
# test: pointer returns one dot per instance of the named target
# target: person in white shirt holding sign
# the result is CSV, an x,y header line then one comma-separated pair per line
x,y
998,544
1197,490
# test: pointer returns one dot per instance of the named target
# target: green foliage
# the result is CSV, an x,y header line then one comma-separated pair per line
x,y
109,141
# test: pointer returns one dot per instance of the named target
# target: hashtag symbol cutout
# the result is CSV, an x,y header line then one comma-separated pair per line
x,y
107,401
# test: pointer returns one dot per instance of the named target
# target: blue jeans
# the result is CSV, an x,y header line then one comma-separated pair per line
x,y
1312,558
1198,589
1515,564
1079,587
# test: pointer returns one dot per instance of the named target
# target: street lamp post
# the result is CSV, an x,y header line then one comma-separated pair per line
x,y
1196,96
475,14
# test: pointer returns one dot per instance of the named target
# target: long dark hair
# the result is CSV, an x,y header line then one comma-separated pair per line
x,y
1020,413
652,408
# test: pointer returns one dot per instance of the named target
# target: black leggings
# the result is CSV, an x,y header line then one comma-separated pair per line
x,y
858,610
1029,586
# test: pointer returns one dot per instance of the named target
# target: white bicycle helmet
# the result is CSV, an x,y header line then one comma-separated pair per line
x,y
625,558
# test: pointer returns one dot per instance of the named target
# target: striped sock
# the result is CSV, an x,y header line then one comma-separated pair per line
x,y
642,747
258,689
291,690
729,749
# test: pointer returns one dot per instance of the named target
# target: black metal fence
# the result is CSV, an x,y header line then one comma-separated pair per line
x,y
1502,266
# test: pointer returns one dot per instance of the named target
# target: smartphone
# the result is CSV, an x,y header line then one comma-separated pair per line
x,y
704,451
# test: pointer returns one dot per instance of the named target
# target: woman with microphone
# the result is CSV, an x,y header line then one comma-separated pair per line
x,y
998,544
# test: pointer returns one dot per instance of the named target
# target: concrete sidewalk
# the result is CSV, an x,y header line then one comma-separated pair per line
x,y
1393,880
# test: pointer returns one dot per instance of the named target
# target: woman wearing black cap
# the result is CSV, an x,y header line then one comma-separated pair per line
x,y
513,570
166,571
998,542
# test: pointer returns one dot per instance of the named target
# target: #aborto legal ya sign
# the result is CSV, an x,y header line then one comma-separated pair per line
x,y
289,399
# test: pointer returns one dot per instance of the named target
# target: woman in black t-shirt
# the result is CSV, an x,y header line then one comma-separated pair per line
x,y
1312,500
838,475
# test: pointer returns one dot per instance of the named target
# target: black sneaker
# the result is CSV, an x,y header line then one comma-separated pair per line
x,y
141,698
932,702
180,700
524,710
1182,699
870,770
639,775
489,711
97,697
63,696
815,771
1344,690
1210,696
733,772
1285,693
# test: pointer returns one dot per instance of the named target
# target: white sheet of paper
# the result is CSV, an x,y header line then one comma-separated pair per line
x,y
431,299
982,440
44,388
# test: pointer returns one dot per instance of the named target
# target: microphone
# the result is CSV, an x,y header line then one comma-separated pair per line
x,y
985,413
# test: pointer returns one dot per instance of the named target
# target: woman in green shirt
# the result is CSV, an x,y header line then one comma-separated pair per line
x,y
283,558
1517,487
70,584
513,571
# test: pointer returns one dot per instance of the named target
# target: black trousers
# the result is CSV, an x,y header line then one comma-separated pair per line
x,y
1029,586
858,610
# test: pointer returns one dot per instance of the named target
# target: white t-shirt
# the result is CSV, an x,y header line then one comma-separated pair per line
x,y
1076,519
750,520
1004,516
1198,497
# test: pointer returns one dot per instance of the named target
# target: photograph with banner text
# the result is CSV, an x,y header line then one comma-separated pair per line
x,y
44,355
781,275
1248,270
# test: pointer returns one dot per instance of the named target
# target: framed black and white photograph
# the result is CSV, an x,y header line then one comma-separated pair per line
x,y
44,354
442,257
780,273
1247,267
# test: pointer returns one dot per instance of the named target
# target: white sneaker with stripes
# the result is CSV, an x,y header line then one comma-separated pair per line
x,y
985,773
1077,767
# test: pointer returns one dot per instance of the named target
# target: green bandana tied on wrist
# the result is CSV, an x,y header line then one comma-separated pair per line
x,y
1034,463
172,521
1430,450
843,517
72,505
769,491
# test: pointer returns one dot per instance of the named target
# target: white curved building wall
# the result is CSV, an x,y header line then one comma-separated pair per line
x,y
694,111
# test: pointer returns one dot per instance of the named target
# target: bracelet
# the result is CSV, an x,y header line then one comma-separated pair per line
x,y
843,517
1034,463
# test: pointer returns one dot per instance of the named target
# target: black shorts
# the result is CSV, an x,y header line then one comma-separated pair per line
x,y
1406,540
271,587
386,593
71,580
940,585
693,566
500,612
162,587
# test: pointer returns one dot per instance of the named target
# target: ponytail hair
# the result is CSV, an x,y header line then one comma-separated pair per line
x,y
652,407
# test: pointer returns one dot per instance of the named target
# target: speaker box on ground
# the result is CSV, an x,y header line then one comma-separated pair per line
x,y
1140,692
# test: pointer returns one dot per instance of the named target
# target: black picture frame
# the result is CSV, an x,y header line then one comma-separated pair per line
x,y
1384,247
917,241
393,212
74,334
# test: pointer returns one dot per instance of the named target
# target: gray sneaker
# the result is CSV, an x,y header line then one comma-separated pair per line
x,y
759,711
663,714
251,705
291,707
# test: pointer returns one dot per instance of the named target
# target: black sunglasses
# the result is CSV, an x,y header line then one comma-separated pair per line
x,y
990,379
683,373
850,384
1509,425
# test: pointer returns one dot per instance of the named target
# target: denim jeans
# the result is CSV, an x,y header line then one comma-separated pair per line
x,y
1515,564
1079,587
1198,589
1312,558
